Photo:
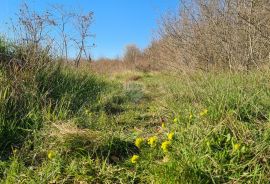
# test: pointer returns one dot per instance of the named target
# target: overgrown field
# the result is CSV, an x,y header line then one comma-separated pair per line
x,y
65,125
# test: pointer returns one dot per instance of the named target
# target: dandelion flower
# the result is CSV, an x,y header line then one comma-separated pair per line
x,y
170,136
51,154
236,147
175,120
138,142
163,125
204,112
134,159
190,116
165,146
152,141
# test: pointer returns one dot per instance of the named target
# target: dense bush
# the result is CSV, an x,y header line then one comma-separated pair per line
x,y
219,34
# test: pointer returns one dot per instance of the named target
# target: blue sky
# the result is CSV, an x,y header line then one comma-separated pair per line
x,y
117,22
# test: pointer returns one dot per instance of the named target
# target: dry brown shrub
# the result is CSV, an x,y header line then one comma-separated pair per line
x,y
214,35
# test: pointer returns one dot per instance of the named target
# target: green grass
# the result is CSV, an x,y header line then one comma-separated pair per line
x,y
64,125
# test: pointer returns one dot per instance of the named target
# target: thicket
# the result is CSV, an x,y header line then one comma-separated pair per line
x,y
214,35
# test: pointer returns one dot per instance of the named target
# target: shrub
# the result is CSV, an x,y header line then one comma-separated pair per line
x,y
214,35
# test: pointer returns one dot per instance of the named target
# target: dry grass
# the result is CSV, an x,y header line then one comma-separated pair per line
x,y
112,66
108,66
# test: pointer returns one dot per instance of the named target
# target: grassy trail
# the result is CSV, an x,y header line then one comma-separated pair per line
x,y
137,128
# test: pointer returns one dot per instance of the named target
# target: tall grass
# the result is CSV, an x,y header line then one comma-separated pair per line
x,y
71,126
51,90
227,144
59,124
78,88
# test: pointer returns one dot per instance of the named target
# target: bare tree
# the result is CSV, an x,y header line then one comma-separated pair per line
x,y
63,18
216,34
34,26
132,54
33,39
52,31
82,25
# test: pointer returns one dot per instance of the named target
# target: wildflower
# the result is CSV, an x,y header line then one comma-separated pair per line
x,y
51,154
204,112
152,141
134,159
138,142
165,146
236,147
175,120
163,125
190,116
170,136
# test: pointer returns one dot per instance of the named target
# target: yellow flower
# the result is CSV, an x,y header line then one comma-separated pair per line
x,y
163,125
51,154
165,146
236,147
190,116
152,141
134,159
204,112
175,120
170,136
138,142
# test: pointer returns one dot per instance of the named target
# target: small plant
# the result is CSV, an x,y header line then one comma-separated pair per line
x,y
170,136
138,142
134,159
152,141
165,146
